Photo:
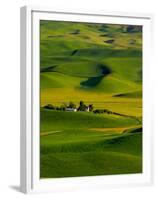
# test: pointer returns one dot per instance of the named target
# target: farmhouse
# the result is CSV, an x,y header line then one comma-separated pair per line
x,y
87,108
71,109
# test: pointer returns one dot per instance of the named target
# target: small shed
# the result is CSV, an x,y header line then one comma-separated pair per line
x,y
71,109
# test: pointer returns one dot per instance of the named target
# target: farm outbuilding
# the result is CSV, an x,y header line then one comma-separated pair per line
x,y
71,109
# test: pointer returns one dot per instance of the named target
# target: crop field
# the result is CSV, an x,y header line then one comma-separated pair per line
x,y
96,67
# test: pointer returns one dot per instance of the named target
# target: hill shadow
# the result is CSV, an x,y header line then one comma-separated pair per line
x,y
94,81
48,69
91,82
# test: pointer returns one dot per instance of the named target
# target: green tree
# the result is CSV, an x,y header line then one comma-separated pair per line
x,y
63,107
49,106
91,107
82,106
71,105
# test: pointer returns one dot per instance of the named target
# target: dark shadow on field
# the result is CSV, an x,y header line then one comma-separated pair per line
x,y
74,52
94,81
109,41
91,82
48,69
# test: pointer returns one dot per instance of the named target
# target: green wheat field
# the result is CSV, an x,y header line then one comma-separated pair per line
x,y
90,99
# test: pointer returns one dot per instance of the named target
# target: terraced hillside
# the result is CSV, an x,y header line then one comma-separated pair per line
x,y
100,64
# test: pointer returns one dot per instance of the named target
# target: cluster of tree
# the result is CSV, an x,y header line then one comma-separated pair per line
x,y
52,107
101,111
82,106
70,105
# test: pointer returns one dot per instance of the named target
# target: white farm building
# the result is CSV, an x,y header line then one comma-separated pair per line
x,y
71,109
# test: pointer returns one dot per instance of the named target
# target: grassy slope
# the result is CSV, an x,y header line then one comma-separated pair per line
x,y
69,151
58,41
63,120
75,52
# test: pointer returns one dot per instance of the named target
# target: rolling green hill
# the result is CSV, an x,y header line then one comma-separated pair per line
x,y
100,64
97,151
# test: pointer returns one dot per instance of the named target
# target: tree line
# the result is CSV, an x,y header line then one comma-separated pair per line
x,y
82,107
